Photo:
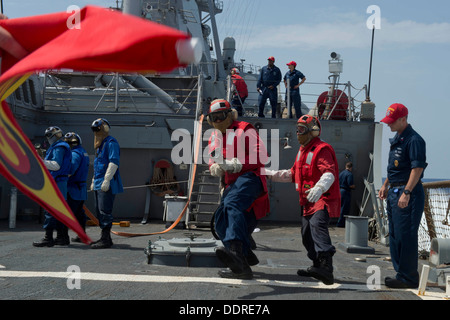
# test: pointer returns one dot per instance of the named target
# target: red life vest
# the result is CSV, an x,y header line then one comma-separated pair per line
x,y
307,174
249,155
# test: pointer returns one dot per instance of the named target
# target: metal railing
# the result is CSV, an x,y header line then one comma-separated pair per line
x,y
435,221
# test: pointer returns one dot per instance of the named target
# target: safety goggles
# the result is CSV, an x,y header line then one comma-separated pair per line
x,y
301,130
51,131
72,137
97,125
218,116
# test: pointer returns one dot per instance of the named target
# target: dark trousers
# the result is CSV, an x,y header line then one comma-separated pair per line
x,y
104,202
237,103
77,209
403,228
272,95
232,221
315,236
50,222
346,197
296,100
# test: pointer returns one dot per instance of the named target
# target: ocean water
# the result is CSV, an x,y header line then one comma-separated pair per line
x,y
424,180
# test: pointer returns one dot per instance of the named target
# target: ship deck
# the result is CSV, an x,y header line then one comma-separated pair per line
x,y
123,272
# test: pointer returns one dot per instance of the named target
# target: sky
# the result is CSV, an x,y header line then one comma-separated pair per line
x,y
410,58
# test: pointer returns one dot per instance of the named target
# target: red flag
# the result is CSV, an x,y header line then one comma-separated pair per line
x,y
105,41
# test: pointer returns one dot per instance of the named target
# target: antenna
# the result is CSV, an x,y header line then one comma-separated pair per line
x,y
1,9
370,67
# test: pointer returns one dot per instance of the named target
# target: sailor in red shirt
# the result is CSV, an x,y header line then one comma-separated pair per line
x,y
316,177
237,156
241,91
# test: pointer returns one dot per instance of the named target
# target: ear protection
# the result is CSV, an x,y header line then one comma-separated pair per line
x,y
312,123
316,128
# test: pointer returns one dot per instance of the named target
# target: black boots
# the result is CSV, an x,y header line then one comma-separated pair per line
x,y
307,272
62,238
324,270
105,241
47,241
234,259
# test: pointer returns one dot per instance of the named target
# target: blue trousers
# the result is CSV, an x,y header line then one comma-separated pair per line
x,y
296,100
77,209
315,235
403,229
346,197
50,222
104,202
272,95
232,221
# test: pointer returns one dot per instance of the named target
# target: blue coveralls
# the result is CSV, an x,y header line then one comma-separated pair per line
x,y
76,185
59,152
345,181
268,77
294,79
232,221
407,151
109,151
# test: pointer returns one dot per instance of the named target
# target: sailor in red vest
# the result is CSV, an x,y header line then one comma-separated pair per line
x,y
241,91
316,177
237,155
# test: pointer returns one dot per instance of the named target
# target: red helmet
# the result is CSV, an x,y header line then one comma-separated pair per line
x,y
307,123
219,105
236,70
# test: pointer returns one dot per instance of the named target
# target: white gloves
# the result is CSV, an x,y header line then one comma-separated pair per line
x,y
110,171
278,176
320,188
52,165
216,170
231,166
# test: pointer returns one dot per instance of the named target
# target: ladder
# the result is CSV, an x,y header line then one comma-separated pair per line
x,y
205,193
205,198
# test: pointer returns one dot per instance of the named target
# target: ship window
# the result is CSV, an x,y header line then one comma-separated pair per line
x,y
33,92
26,97
17,94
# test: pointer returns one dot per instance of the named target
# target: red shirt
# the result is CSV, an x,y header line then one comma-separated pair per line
x,y
241,86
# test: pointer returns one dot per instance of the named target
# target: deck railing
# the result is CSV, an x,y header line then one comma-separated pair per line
x,y
435,221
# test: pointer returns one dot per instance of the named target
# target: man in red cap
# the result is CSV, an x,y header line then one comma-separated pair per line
x,y
404,195
294,76
269,79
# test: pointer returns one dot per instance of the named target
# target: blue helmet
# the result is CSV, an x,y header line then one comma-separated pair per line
x,y
72,138
98,124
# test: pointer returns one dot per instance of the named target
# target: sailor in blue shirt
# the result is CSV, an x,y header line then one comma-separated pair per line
x,y
269,79
57,161
404,195
294,76
346,185
76,185
107,181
